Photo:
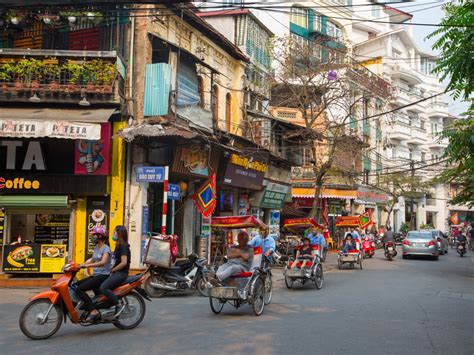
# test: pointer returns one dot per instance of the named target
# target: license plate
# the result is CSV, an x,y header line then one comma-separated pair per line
x,y
390,248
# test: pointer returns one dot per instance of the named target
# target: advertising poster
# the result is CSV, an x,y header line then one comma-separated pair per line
x,y
21,258
243,205
98,210
52,258
274,224
92,157
195,159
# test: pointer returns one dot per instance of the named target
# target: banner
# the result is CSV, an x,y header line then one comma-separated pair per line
x,y
205,197
50,129
455,218
34,258
237,222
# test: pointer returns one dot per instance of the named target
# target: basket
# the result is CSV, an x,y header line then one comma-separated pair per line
x,y
224,292
158,252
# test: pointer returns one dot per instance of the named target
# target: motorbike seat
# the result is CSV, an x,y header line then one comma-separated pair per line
x,y
242,274
308,264
181,263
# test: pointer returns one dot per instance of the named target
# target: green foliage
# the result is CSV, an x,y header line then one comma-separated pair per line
x,y
405,227
426,226
456,45
460,159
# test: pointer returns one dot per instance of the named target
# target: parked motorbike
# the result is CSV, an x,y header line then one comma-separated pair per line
x,y
191,273
368,247
390,251
461,249
43,315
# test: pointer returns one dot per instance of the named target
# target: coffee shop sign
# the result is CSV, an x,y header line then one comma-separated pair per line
x,y
248,163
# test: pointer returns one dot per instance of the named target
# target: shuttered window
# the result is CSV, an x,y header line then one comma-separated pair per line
x,y
157,89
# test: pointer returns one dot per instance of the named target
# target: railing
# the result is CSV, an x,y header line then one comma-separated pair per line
x,y
60,76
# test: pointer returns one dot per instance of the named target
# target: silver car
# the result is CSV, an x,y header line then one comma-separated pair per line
x,y
420,243
442,241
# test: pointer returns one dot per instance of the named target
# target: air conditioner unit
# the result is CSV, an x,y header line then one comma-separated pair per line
x,y
296,171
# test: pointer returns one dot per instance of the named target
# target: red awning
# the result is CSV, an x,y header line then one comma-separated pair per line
x,y
296,223
236,222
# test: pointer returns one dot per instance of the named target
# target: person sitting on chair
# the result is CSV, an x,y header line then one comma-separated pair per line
x,y
304,254
238,260
349,244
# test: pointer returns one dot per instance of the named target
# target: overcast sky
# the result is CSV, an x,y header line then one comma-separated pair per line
x,y
433,15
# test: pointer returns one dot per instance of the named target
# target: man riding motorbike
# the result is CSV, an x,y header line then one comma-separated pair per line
x,y
389,237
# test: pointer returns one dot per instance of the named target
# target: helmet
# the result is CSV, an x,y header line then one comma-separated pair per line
x,y
99,231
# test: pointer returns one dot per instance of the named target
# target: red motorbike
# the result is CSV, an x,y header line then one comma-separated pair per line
x,y
368,247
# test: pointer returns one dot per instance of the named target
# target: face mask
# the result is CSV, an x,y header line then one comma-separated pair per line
x,y
114,237
94,239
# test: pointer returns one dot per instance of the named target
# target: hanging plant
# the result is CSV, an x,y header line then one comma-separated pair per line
x,y
95,17
14,17
72,70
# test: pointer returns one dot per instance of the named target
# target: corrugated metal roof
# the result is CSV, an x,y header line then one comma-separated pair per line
x,y
149,130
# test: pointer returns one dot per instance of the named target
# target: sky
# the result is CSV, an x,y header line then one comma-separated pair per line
x,y
433,15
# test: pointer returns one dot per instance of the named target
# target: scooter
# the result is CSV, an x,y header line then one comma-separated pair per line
x,y
43,315
461,249
390,251
191,273
368,247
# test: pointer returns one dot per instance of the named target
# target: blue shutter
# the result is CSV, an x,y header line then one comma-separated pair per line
x,y
157,89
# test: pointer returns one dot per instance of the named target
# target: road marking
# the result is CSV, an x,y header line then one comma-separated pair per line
x,y
464,296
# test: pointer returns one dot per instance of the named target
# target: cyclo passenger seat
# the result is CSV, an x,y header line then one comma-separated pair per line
x,y
256,262
316,251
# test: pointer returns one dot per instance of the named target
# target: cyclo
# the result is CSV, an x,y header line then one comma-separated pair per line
x,y
353,256
314,271
253,287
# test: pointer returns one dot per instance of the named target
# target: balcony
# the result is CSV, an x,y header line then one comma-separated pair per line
x,y
400,131
60,76
437,109
406,73
302,172
401,95
435,142
418,136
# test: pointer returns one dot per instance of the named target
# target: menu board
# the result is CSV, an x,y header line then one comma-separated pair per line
x,y
34,258
98,210
2,224
51,227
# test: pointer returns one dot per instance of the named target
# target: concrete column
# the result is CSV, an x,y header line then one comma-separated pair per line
x,y
189,220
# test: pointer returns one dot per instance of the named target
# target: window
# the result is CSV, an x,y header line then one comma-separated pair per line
x,y
318,23
411,154
228,112
302,42
423,157
201,92
394,153
375,11
434,128
215,103
299,16
333,30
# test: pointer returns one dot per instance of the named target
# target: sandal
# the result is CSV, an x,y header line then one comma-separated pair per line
x,y
92,317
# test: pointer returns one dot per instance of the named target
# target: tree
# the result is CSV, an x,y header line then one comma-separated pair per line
x,y
456,39
460,160
329,91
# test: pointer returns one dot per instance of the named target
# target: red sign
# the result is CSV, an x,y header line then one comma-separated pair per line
x,y
93,157
235,222
348,221
302,223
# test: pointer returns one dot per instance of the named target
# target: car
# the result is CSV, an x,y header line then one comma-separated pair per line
x,y
442,241
420,243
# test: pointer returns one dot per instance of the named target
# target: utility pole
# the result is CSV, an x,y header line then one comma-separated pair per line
x,y
412,167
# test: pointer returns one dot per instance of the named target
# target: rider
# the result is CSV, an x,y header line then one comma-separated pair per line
x,y
388,237
119,271
319,240
264,240
100,262
238,260
304,253
349,244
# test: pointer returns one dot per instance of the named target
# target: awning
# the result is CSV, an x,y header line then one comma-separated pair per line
x,y
308,192
37,201
157,130
52,123
236,222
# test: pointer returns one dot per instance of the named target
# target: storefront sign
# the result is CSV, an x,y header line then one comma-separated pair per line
x,y
18,183
274,224
2,224
366,194
195,159
174,192
348,221
92,157
274,195
31,258
245,172
150,174
51,129
98,210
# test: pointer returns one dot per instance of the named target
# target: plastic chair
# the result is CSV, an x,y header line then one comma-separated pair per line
x,y
331,243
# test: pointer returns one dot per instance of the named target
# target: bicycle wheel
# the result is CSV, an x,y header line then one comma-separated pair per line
x,y
216,305
318,277
268,289
258,296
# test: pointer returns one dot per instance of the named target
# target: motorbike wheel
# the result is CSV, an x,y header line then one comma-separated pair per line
x,y
258,296
288,282
216,305
339,264
360,264
201,285
318,277
390,258
268,289
33,313
133,313
153,291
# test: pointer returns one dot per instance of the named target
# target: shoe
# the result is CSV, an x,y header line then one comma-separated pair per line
x,y
119,309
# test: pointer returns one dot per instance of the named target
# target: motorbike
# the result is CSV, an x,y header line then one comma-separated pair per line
x,y
191,273
43,315
461,249
390,251
368,247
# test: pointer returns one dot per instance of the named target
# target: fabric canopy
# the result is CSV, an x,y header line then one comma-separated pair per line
x,y
236,222
308,192
296,223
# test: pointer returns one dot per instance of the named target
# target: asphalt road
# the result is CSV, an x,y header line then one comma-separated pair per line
x,y
400,307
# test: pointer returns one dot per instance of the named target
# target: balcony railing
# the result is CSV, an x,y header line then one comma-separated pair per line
x,y
60,76
302,172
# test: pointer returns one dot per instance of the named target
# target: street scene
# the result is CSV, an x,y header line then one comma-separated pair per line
x,y
258,177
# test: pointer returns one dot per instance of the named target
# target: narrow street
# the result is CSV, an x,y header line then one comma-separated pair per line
x,y
401,307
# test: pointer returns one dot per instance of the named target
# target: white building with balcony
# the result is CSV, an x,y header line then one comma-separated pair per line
x,y
389,50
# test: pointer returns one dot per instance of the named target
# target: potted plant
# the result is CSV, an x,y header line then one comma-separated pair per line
x,y
73,72
6,73
52,72
90,74
107,75
35,71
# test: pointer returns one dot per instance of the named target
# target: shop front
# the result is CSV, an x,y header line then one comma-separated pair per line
x,y
371,201
52,191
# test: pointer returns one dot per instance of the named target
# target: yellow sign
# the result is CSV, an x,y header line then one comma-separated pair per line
x,y
248,163
53,257
19,184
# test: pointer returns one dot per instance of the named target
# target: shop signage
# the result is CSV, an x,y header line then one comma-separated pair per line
x,y
2,224
274,195
51,129
243,205
195,159
274,225
174,192
245,172
348,221
150,174
31,258
366,194
91,157
98,211
18,183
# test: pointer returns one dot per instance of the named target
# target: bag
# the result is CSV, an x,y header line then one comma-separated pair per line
x,y
174,248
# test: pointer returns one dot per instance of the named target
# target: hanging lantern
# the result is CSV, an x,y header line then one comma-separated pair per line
x,y
183,186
